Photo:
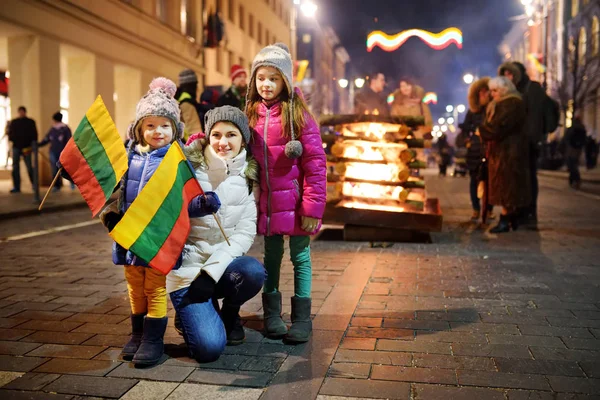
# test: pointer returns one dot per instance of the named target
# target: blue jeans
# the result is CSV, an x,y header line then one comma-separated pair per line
x,y
16,171
203,329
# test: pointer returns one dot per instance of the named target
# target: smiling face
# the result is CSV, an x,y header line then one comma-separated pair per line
x,y
269,83
226,140
405,88
157,131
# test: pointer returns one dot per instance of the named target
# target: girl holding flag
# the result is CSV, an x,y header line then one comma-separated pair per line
x,y
157,125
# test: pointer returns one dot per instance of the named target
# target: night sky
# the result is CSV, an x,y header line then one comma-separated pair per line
x,y
483,23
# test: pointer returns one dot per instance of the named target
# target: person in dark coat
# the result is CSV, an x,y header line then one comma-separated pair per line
x,y
444,153
479,98
575,139
58,136
23,134
370,99
235,96
507,155
591,152
534,98
207,103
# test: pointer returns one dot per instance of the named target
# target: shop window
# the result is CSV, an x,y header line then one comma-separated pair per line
x,y
242,17
582,47
574,8
231,10
595,36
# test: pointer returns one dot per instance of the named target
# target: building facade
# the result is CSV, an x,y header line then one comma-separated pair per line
x,y
59,55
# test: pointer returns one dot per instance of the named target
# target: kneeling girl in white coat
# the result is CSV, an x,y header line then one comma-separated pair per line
x,y
211,269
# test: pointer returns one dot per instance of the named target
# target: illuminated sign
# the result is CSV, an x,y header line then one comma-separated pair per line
x,y
437,41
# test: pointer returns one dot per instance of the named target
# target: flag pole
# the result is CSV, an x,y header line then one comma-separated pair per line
x,y
221,228
50,188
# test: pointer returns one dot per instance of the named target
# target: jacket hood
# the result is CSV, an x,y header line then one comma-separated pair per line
x,y
513,68
473,95
417,93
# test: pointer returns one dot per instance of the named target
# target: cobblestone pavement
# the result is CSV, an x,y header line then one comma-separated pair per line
x,y
470,316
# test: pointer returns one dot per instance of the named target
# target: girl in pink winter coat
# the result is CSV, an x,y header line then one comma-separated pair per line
x,y
287,145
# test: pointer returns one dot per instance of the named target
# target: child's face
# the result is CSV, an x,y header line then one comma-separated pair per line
x,y
226,140
157,131
269,82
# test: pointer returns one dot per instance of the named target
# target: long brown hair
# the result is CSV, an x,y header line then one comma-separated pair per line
x,y
300,113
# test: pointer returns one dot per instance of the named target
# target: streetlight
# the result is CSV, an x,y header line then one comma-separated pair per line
x,y
444,128
449,108
441,120
450,120
309,9
436,128
359,82
460,108
468,78
343,83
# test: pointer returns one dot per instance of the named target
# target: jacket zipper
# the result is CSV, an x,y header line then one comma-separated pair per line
x,y
146,159
267,174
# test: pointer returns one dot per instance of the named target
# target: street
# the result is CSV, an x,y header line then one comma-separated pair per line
x,y
470,316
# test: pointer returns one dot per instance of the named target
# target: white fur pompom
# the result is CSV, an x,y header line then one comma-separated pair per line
x,y
165,84
293,149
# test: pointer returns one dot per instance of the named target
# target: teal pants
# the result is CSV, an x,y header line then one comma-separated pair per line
x,y
300,256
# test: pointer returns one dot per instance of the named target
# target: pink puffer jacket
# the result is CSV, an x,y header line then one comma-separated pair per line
x,y
290,189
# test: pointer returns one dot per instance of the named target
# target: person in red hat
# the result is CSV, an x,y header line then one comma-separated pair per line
x,y
236,94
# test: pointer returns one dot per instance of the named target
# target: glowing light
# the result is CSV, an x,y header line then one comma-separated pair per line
x,y
436,41
359,82
7,74
450,120
444,128
461,108
366,206
343,83
301,67
430,98
468,78
541,68
309,9
436,128
449,108
390,99
441,120
530,22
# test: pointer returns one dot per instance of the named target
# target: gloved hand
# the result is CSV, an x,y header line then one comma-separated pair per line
x,y
201,290
203,205
111,219
310,224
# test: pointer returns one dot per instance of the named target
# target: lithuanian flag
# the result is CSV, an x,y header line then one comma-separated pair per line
x,y
95,156
157,224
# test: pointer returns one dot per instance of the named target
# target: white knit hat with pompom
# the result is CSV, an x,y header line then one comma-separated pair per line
x,y
158,102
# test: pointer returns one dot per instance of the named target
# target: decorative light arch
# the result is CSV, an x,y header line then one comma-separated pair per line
x,y
430,98
437,41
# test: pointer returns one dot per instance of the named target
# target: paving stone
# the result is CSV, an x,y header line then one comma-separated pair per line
x,y
10,322
111,354
592,369
104,329
529,395
54,338
14,334
188,391
458,337
21,395
66,351
412,346
365,388
226,361
449,316
161,372
349,370
259,349
543,341
265,364
78,367
358,344
574,385
546,353
91,300
373,357
576,343
43,315
574,322
380,333
233,378
542,367
97,318
587,314
412,374
491,350
453,362
322,397
22,364
366,321
91,386
8,376
31,305
416,324
436,392
555,331
146,390
502,329
55,326
31,381
106,340
502,380
16,348
509,319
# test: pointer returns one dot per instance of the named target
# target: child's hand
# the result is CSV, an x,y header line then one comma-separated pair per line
x,y
310,224
203,205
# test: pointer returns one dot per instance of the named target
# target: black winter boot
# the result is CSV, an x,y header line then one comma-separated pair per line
x,y
137,329
275,328
233,325
503,225
301,328
513,219
152,346
178,326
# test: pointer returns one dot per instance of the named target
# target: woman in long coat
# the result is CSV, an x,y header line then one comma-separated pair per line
x,y
507,152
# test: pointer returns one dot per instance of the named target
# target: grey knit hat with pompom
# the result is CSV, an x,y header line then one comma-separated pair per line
x,y
278,56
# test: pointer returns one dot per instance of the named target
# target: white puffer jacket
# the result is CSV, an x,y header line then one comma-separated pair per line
x,y
206,249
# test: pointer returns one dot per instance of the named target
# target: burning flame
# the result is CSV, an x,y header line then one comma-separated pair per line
x,y
372,172
372,191
367,206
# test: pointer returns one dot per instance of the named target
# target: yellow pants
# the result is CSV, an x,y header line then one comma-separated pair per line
x,y
147,291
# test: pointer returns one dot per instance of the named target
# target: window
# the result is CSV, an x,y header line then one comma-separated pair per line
x,y
231,59
242,17
231,10
595,36
251,25
186,13
259,33
287,17
574,8
219,51
582,47
267,38
161,10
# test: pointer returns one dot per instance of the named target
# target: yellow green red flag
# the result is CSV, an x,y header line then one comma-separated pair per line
x,y
95,156
157,224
